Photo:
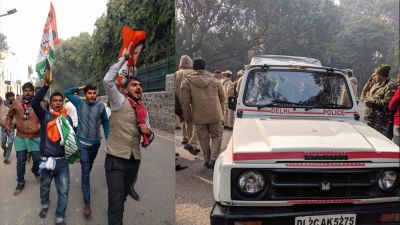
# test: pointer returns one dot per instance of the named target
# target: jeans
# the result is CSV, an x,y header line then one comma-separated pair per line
x,y
21,161
120,174
61,179
88,155
7,139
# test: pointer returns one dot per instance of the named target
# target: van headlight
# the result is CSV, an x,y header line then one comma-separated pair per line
x,y
387,180
251,182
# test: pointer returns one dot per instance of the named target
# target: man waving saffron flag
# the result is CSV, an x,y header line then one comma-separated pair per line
x,y
49,39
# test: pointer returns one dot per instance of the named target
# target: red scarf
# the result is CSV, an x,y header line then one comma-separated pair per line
x,y
26,105
141,114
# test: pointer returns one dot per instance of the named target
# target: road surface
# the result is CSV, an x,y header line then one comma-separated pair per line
x,y
155,185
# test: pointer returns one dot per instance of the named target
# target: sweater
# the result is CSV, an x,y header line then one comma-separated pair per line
x,y
90,117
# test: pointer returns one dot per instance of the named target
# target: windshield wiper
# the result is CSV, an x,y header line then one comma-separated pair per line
x,y
330,105
277,102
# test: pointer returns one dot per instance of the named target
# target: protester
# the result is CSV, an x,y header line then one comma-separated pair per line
x,y
202,99
128,124
54,164
71,111
91,114
379,115
190,139
27,139
7,140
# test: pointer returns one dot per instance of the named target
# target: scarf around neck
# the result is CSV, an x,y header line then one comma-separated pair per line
x,y
52,129
26,104
141,114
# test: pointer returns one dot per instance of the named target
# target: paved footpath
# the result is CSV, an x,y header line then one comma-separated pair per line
x,y
155,185
194,197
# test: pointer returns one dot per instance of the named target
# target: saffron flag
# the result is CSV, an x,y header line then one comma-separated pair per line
x,y
131,36
49,40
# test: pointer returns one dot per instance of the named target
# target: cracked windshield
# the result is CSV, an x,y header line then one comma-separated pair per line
x,y
298,89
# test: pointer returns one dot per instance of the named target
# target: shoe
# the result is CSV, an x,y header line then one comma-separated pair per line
x,y
179,167
61,223
134,195
43,213
226,127
191,149
185,141
211,164
206,165
19,188
6,161
87,211
177,128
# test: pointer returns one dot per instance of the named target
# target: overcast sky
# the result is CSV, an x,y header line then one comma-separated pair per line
x,y
24,28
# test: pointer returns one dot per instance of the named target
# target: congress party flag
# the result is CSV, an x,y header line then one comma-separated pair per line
x,y
49,40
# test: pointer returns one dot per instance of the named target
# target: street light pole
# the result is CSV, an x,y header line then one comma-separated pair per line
x,y
9,12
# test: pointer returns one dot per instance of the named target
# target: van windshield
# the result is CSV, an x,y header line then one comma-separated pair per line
x,y
299,89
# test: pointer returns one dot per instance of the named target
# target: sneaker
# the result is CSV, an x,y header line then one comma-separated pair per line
x,y
191,149
226,127
19,188
87,211
134,195
179,167
6,161
43,213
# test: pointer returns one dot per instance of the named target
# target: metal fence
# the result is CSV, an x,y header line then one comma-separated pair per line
x,y
153,75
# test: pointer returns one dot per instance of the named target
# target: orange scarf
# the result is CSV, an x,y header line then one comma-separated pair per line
x,y
52,130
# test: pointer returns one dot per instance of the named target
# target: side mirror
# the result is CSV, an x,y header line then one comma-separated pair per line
x,y
232,103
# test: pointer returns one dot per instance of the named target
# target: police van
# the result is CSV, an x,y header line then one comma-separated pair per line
x,y
299,155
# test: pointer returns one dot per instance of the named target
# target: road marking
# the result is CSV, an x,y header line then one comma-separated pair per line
x,y
204,179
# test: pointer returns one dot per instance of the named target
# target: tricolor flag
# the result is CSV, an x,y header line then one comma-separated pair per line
x,y
49,39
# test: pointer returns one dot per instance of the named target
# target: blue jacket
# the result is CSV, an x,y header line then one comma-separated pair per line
x,y
48,148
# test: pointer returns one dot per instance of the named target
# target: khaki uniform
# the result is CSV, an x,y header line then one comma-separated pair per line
x,y
378,115
223,83
188,129
229,113
202,99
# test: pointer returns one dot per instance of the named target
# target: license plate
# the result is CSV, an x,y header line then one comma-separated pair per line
x,y
339,219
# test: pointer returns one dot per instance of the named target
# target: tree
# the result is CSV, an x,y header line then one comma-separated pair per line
x,y
3,44
73,62
154,17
